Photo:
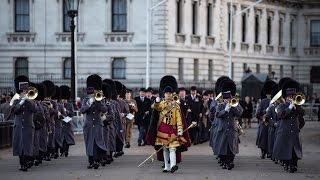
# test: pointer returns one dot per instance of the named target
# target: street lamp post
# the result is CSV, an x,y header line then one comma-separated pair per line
x,y
149,11
231,32
72,8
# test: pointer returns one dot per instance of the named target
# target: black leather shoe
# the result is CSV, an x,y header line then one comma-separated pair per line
x,y
96,165
224,166
174,169
165,171
90,166
291,169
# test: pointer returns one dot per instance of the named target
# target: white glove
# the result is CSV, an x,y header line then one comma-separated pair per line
x,y
227,108
22,101
180,132
291,106
91,100
59,113
158,99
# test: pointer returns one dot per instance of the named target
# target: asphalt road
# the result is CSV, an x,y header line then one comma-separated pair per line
x,y
198,163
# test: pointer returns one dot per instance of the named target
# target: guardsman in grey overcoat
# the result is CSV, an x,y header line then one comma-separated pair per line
x,y
39,123
214,120
58,137
123,110
287,146
263,127
23,129
53,112
112,127
92,108
67,127
228,129
272,117
107,119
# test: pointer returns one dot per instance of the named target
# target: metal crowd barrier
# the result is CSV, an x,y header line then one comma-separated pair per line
x,y
311,111
77,123
6,129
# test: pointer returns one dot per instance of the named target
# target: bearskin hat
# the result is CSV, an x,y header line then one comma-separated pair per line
x,y
20,82
290,87
65,92
57,93
50,88
94,81
168,81
219,81
229,85
113,89
41,91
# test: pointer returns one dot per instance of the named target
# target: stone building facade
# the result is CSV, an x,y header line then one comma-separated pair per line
x,y
189,39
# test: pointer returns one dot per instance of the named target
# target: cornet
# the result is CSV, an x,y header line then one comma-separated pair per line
x,y
32,93
98,95
299,99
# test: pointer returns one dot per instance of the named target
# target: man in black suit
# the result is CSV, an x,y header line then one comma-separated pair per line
x,y
143,115
183,101
195,106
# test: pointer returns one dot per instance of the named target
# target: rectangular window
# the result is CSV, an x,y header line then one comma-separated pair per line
x,y
210,70
245,67
66,18
119,15
281,71
119,68
194,18
244,27
179,15
257,68
196,69
22,16
269,30
269,69
232,70
209,20
291,33
315,33
257,29
229,24
280,32
292,71
21,66
67,68
180,69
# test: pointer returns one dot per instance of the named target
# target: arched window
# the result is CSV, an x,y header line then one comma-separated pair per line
x,y
21,66
67,68
118,68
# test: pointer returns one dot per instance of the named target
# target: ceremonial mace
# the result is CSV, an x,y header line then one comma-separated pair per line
x,y
192,125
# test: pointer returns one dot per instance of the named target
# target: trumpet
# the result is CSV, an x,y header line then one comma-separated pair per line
x,y
234,102
299,99
32,93
98,95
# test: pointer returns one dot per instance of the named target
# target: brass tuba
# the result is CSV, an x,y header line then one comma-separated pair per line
x,y
98,95
299,99
32,93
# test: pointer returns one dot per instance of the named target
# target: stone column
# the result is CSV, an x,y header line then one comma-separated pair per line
x,y
250,29
263,30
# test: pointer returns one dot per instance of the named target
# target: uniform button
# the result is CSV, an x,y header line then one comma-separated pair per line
x,y
92,125
291,131
291,124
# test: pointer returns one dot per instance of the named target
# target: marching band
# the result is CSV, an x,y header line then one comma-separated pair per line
x,y
170,121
